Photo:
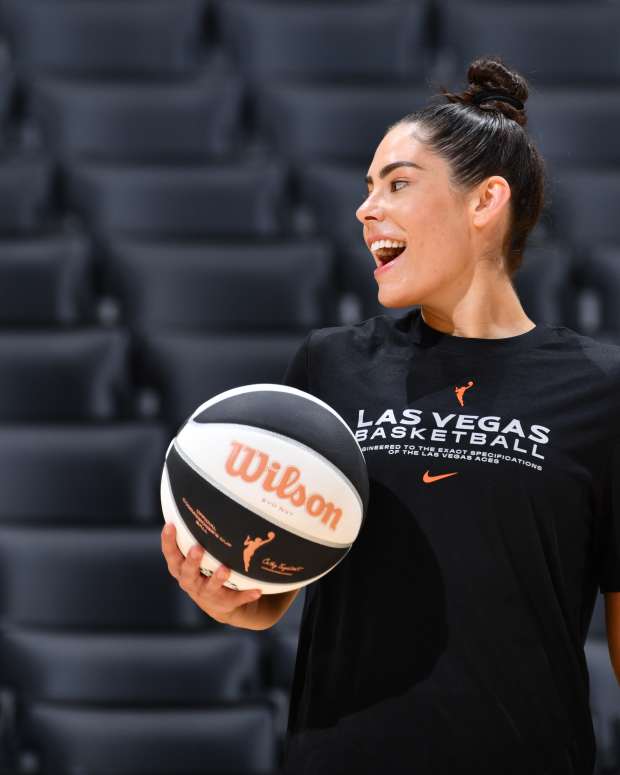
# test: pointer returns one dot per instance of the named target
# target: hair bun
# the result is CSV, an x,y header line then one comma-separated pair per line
x,y
490,74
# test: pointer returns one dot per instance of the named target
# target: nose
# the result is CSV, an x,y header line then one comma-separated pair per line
x,y
369,209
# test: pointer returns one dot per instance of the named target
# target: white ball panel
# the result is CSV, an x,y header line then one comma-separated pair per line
x,y
208,447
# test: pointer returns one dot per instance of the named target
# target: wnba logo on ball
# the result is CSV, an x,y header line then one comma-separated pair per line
x,y
242,458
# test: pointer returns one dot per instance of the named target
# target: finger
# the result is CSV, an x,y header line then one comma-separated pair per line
x,y
172,553
218,578
190,578
227,596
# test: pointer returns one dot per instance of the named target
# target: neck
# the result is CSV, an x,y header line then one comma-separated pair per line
x,y
487,308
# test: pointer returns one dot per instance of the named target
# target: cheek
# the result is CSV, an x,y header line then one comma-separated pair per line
x,y
438,227
436,244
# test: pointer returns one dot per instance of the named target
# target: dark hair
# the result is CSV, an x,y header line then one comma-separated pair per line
x,y
488,139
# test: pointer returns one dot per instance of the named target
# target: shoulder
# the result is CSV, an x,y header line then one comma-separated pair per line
x,y
602,355
363,336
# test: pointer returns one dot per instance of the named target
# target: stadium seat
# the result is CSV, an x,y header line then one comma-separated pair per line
x,y
295,40
333,192
46,280
26,192
575,126
97,578
238,200
599,272
188,369
130,668
103,38
584,207
175,741
85,474
545,284
310,122
163,121
7,94
222,286
63,375
576,46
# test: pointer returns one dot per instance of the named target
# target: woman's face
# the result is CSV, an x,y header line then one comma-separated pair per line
x,y
415,205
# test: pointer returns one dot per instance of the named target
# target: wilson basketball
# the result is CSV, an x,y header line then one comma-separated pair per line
x,y
271,481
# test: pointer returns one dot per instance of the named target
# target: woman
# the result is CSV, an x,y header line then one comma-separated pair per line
x,y
450,638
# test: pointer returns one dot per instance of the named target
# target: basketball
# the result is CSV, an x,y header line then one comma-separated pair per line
x,y
270,481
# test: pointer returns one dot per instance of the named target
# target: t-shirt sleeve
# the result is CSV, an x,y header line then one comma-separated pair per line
x,y
297,373
610,529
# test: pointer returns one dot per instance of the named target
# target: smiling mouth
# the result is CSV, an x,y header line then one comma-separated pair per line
x,y
385,255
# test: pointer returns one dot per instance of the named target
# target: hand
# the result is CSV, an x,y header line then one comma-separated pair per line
x,y
209,594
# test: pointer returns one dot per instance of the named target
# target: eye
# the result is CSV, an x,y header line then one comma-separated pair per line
x,y
395,183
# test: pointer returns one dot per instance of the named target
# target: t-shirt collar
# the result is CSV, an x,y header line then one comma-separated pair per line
x,y
426,336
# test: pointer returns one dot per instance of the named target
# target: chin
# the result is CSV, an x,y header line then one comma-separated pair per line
x,y
396,301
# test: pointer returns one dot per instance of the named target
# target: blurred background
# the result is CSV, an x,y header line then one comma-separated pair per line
x,y
178,186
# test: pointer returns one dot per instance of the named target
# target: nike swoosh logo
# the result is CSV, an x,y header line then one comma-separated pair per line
x,y
428,478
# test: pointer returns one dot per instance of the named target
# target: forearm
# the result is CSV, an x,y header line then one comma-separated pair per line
x,y
262,613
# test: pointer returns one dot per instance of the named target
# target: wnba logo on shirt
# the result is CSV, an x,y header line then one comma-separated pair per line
x,y
461,390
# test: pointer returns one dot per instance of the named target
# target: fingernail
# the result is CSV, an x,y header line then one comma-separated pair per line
x,y
221,572
196,552
255,595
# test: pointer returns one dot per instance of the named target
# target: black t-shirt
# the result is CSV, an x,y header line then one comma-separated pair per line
x,y
449,640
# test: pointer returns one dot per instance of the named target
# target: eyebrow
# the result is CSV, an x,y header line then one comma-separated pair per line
x,y
389,167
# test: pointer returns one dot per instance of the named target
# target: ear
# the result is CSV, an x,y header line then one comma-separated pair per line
x,y
489,200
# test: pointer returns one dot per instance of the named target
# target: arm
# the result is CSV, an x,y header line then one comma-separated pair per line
x,y
612,620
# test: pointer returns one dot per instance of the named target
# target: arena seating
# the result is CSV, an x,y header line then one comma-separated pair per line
x,y
27,186
101,38
86,473
179,180
538,41
136,121
82,373
46,280
315,121
188,368
292,282
327,41
218,199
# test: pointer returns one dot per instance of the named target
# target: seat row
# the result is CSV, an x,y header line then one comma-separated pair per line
x,y
254,198
86,375
298,39
211,115
98,643
215,286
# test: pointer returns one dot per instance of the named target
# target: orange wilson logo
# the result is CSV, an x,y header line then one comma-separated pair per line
x,y
428,478
253,465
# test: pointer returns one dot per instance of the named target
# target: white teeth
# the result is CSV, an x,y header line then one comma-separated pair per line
x,y
387,243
